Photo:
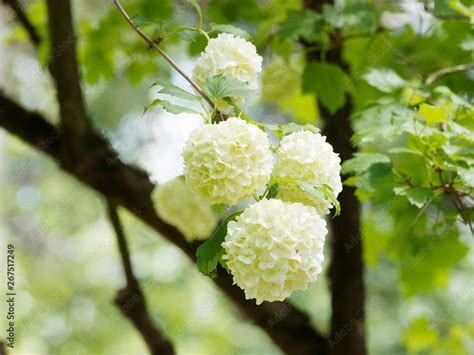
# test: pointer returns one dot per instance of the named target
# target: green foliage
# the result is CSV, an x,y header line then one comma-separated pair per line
x,y
414,171
229,29
323,192
209,253
328,81
354,15
432,114
220,86
385,80
168,106
420,336
305,24
362,162
281,130
170,89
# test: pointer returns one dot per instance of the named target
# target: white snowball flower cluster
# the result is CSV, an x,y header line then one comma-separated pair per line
x,y
227,162
306,156
178,206
231,56
274,248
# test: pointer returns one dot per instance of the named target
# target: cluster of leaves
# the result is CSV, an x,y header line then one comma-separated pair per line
x,y
419,139
416,155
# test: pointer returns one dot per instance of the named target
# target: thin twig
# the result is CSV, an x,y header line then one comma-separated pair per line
x,y
162,53
446,71
130,299
460,207
418,216
24,20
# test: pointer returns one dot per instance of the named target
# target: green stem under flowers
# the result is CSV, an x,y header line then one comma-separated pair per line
x,y
162,53
200,31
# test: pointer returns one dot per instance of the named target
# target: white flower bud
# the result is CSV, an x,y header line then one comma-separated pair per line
x,y
306,156
178,206
231,56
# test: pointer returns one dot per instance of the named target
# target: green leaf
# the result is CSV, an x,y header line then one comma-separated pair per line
x,y
322,192
432,114
417,196
281,130
369,135
272,191
328,81
220,86
210,252
140,21
429,259
170,89
403,150
385,80
303,108
420,336
306,24
329,194
358,15
168,106
196,6
362,162
230,29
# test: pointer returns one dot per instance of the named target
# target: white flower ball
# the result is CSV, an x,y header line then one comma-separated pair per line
x,y
227,162
231,56
306,156
178,206
274,248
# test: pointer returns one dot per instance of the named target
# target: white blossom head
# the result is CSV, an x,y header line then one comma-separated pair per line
x,y
306,156
227,162
274,248
231,56
178,206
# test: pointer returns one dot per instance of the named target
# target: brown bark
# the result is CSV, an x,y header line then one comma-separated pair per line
x,y
130,299
346,274
65,70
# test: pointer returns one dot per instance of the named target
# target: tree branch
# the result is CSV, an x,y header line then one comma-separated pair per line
x,y
99,168
64,68
130,299
446,71
162,53
24,20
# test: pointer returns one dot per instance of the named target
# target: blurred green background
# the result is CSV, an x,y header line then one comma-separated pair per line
x,y
67,265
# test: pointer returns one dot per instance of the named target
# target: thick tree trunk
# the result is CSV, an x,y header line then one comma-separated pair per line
x,y
346,268
346,272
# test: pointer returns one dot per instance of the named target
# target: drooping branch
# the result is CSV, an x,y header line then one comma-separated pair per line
x,y
131,188
130,299
446,71
64,68
24,20
162,53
